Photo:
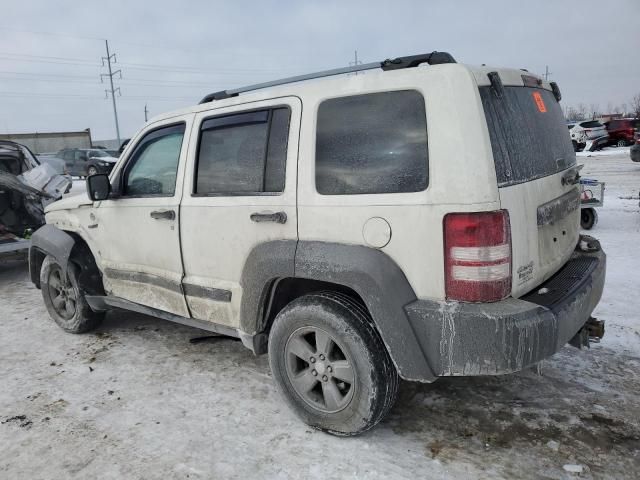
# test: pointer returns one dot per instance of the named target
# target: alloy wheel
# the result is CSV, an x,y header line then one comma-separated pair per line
x,y
320,370
63,295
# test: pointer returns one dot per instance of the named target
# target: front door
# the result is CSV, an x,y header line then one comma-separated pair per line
x,y
240,191
138,230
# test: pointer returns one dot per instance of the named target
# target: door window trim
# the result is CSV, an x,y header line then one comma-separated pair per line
x,y
122,173
231,123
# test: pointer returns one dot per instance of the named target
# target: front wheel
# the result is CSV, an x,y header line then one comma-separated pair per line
x,y
92,171
331,364
621,143
64,300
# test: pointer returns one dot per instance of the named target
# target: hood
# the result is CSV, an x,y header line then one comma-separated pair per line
x,y
69,203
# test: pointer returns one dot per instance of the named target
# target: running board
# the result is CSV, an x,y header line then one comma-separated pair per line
x,y
99,303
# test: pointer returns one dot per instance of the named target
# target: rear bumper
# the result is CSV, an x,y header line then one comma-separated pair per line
x,y
462,339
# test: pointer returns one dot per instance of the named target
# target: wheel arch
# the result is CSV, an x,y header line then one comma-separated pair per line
x,y
66,248
290,268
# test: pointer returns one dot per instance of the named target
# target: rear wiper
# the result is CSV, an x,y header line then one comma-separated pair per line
x,y
572,176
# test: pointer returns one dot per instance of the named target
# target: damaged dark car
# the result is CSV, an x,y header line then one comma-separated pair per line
x,y
26,188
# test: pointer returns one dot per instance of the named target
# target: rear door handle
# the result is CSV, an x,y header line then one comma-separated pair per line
x,y
163,215
277,217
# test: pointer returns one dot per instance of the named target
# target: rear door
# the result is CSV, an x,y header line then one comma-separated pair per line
x,y
240,192
532,154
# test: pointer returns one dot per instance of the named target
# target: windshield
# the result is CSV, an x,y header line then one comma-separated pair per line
x,y
528,134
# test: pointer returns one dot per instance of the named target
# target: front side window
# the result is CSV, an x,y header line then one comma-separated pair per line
x,y
153,166
243,153
372,143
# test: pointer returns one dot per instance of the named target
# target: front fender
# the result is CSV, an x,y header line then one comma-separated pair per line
x,y
49,240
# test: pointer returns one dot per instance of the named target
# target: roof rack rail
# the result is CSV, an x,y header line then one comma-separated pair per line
x,y
433,58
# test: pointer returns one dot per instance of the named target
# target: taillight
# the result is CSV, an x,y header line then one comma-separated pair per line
x,y
477,256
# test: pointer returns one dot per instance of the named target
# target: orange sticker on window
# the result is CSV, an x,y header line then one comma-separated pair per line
x,y
539,102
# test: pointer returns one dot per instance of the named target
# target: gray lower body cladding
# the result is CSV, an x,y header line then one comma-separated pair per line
x,y
464,339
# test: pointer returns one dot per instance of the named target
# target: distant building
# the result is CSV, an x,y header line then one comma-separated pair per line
x,y
605,117
51,141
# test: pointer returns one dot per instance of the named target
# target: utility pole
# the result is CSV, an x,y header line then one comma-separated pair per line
x,y
145,112
546,72
113,90
355,62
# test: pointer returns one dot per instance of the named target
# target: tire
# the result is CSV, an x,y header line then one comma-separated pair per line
x,y
622,143
356,353
92,171
575,145
69,310
588,218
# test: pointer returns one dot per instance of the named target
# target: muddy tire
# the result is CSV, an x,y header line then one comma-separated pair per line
x,y
331,364
64,300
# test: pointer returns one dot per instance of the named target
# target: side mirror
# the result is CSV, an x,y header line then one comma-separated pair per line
x,y
98,186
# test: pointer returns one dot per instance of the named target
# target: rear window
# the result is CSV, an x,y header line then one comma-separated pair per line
x,y
591,124
528,134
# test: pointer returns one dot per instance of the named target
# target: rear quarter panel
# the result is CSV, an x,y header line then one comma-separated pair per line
x,y
461,173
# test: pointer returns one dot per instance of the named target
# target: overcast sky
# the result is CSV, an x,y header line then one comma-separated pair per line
x,y
172,53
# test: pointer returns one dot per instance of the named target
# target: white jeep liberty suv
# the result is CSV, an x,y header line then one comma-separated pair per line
x,y
341,224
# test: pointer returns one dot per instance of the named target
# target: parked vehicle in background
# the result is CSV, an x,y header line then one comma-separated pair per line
x,y
590,132
634,151
622,132
83,162
578,138
464,258
123,145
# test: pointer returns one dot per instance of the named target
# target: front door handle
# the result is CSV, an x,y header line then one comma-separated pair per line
x,y
277,217
163,215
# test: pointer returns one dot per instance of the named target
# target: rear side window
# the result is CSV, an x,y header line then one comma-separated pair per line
x,y
591,124
528,134
243,153
372,143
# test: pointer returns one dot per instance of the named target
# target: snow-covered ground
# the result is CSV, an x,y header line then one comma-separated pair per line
x,y
138,400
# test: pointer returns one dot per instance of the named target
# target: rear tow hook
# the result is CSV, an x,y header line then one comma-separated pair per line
x,y
591,331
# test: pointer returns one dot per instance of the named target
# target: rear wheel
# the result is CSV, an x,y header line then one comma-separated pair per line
x,y
64,300
621,143
588,218
331,365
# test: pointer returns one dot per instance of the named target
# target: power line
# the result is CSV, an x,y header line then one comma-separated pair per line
x,y
134,65
93,97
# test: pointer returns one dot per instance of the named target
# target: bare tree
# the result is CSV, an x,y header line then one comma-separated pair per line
x,y
635,105
609,108
581,112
